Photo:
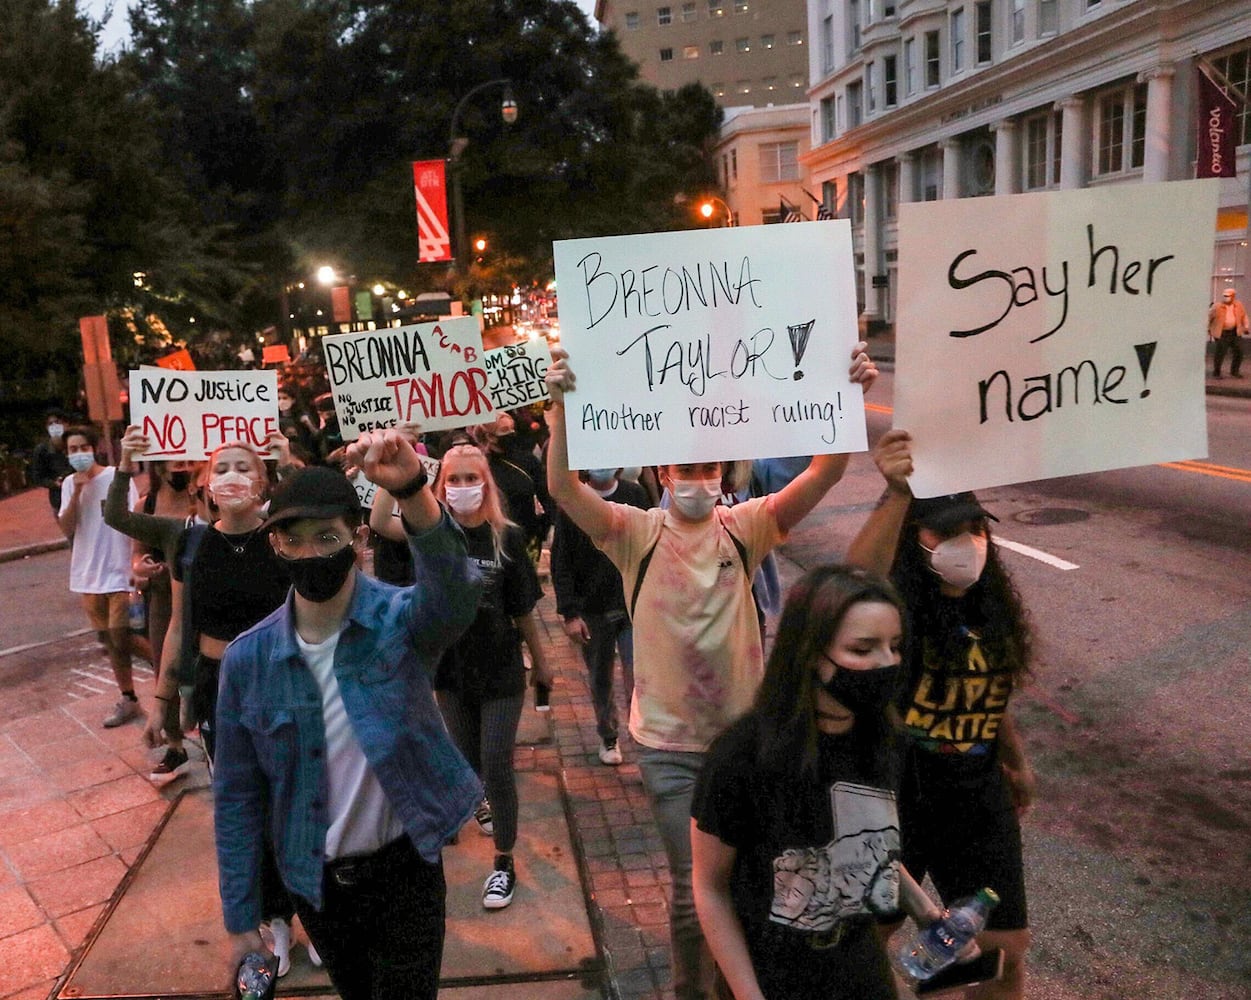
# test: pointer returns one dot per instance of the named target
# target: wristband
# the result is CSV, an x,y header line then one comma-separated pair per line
x,y
412,487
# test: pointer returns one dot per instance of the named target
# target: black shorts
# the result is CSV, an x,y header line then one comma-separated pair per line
x,y
965,835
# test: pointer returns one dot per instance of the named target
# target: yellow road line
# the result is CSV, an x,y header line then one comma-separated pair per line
x,y
1210,469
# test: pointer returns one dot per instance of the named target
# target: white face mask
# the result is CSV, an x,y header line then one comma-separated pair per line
x,y
56,430
695,498
233,490
959,561
464,499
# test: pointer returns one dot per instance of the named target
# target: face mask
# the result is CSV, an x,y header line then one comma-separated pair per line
x,y
232,490
56,430
601,475
864,693
959,561
179,481
81,461
319,578
464,499
695,498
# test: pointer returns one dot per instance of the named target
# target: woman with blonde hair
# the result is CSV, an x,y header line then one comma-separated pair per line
x,y
481,681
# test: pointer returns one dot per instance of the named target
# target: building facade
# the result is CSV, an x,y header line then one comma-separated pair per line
x,y
747,52
759,157
915,100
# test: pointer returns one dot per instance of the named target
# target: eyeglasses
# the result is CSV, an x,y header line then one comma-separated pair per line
x,y
291,545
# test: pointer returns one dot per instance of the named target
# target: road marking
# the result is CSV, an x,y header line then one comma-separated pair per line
x,y
45,642
1211,469
1042,557
878,409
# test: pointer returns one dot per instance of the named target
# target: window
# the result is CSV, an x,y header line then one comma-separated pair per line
x,y
632,21
1041,167
743,87
855,104
688,11
740,6
888,189
870,88
770,83
664,15
690,52
718,90
827,43
797,81
929,174
853,26
734,166
1048,17
827,119
932,76
1092,4
890,82
829,197
1120,140
742,45
855,199
779,161
716,48
981,29
725,164
716,8
666,55
794,38
1237,69
957,40
910,66
766,41
1018,21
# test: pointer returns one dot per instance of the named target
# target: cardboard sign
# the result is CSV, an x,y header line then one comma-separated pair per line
x,y
1053,334
515,373
710,345
275,354
190,414
180,361
367,491
431,374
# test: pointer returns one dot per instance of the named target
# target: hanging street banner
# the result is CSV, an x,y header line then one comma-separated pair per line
x,y
710,345
1216,129
1052,334
430,187
516,374
189,414
431,374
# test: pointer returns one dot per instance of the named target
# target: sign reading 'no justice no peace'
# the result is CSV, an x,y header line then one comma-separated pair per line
x,y
1053,334
189,414
710,345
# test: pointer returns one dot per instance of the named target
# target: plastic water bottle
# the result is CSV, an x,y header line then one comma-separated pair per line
x,y
136,613
256,977
936,946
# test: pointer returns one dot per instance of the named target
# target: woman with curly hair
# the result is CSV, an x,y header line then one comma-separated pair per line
x,y
966,780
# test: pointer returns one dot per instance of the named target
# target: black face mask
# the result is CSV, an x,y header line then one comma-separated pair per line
x,y
864,693
319,578
180,481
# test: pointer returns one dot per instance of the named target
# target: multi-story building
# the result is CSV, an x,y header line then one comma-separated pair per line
x,y
759,156
747,52
914,100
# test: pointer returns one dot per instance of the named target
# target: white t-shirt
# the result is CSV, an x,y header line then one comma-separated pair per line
x,y
99,555
361,818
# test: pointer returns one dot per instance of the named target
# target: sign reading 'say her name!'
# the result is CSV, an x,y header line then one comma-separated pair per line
x,y
710,345
188,414
1052,334
431,374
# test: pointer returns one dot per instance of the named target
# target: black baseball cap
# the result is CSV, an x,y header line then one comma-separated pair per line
x,y
945,512
313,492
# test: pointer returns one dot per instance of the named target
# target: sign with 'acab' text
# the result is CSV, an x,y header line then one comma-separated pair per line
x,y
189,414
430,374
710,345
1052,334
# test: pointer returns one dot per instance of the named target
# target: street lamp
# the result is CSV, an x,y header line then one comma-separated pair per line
x,y
456,145
708,206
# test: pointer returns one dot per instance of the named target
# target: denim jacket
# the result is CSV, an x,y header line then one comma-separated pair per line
x,y
271,740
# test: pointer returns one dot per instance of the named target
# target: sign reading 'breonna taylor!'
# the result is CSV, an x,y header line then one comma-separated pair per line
x,y
430,374
189,414
1052,334
710,345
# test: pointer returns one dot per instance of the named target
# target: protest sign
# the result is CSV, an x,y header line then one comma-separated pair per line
x,y
368,491
1052,334
710,345
189,414
515,373
431,374
180,360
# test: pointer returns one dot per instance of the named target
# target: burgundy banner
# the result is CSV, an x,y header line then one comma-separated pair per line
x,y
1217,124
430,185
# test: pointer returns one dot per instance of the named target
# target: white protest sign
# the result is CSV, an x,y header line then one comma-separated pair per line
x,y
431,374
515,373
710,345
188,414
1052,334
367,491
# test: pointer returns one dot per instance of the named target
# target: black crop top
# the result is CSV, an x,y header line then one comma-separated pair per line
x,y
232,591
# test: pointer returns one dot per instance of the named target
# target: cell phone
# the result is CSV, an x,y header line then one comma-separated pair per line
x,y
983,969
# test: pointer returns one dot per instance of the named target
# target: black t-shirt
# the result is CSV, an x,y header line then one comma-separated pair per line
x,y
231,591
815,866
486,661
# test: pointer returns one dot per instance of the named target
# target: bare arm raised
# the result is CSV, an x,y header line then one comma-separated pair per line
x,y
588,510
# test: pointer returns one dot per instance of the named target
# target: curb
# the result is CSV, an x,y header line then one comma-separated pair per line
x,y
36,549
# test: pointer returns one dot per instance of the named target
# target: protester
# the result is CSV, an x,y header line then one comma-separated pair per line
x,y
967,779
48,464
795,835
329,735
297,423
520,479
697,657
1227,321
592,604
329,435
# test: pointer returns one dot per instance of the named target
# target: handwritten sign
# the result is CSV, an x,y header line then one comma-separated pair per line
x,y
190,414
367,491
275,354
180,360
432,374
710,345
515,373
1052,334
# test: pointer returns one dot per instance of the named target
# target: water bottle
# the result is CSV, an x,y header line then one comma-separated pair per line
x,y
136,614
936,946
256,977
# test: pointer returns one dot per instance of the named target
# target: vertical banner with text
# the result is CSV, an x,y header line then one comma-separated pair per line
x,y
430,186
1216,139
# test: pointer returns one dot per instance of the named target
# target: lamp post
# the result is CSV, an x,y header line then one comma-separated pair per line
x,y
708,206
456,145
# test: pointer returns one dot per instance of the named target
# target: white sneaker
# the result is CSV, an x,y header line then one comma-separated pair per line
x,y
313,956
280,943
497,891
610,753
482,815
123,712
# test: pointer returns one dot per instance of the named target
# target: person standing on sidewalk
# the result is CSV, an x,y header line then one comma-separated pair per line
x,y
1227,321
49,467
99,562
590,600
329,738
698,659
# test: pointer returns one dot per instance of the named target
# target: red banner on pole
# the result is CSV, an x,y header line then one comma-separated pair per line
x,y
1217,125
430,186
341,304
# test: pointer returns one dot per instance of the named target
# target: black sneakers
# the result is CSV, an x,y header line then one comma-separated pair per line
x,y
497,891
171,766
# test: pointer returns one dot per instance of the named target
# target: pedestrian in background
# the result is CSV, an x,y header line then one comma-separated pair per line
x,y
49,466
1227,321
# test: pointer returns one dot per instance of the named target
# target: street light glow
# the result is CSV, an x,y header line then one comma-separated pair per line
x,y
379,290
326,275
706,210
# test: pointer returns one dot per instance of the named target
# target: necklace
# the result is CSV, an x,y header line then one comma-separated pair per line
x,y
238,548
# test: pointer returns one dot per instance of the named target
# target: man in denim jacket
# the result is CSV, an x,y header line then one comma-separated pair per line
x,y
330,742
